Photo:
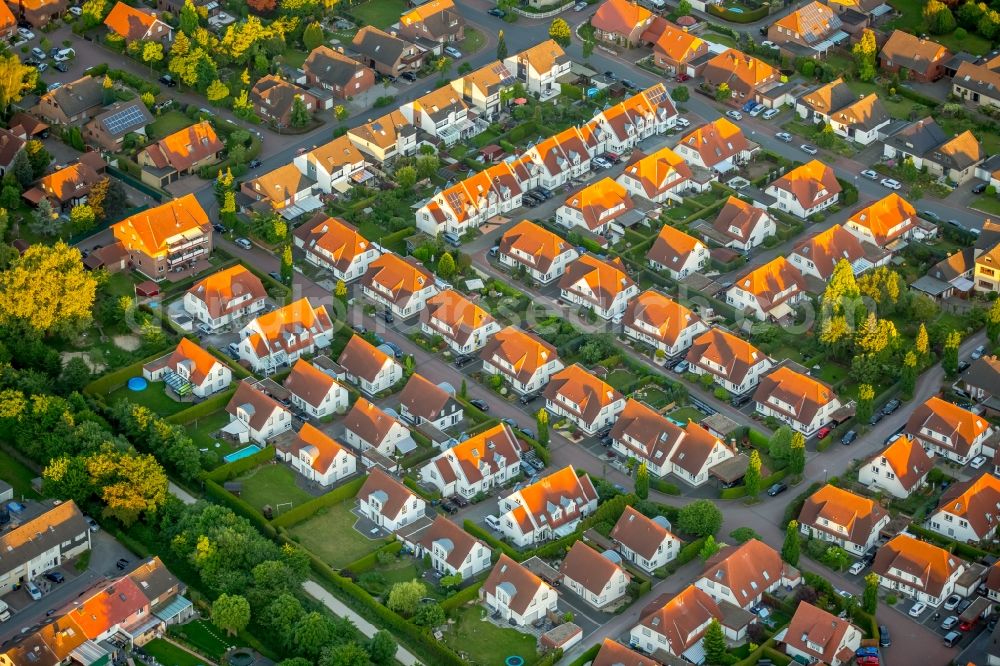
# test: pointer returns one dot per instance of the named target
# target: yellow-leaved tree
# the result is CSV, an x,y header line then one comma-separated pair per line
x,y
47,290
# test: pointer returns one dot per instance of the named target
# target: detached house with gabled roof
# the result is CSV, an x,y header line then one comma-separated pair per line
x,y
282,336
675,48
367,367
386,53
332,70
818,636
189,369
923,60
810,31
273,99
470,203
483,87
688,452
477,465
367,427
928,145
422,402
335,166
677,253
548,508
108,129
741,575
433,23
587,401
452,550
465,326
72,103
225,297
735,364
745,75
645,542
858,119
388,503
659,177
594,576
539,68
677,627
742,225
601,286
331,243
399,284
948,430
560,157
170,237
638,117
314,392
768,292
969,511
525,361
597,208
978,82
803,402
841,517
178,154
917,569
386,138
66,187
136,25
806,189
899,469
254,415
318,458
719,145
621,22
818,255
661,322
517,595
541,253
441,113
986,270
883,223
615,654
281,190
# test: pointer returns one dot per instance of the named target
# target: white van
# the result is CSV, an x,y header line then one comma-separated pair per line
x,y
4,611
493,522
33,590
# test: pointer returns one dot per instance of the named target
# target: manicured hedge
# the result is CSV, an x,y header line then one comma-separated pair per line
x,y
758,439
461,597
203,408
664,486
740,491
368,562
587,656
102,386
795,506
305,511
483,535
239,372
766,650
913,95
220,495
686,554
963,549
230,471
429,495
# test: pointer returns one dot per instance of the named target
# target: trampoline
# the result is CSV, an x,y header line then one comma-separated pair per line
x,y
245,452
137,384
241,658
514,660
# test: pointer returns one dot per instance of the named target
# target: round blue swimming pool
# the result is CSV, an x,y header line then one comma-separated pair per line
x,y
137,384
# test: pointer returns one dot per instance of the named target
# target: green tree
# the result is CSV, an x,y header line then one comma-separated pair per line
x,y
714,644
869,599
723,92
45,221
908,373
313,36
864,52
642,482
47,290
406,177
560,32
826,137
779,446
300,114
753,478
287,271
709,548
38,157
949,358
22,171
542,421
10,197
993,322
501,46
311,634
866,396
790,549
699,518
429,615
231,612
938,18
404,597
345,654
16,79
340,290
744,534
188,19
152,53
446,265
797,457
680,94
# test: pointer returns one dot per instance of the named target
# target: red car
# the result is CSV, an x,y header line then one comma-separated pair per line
x,y
867,661
823,432
681,78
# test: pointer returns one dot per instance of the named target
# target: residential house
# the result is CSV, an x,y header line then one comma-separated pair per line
x,y
659,177
594,576
422,401
107,130
369,368
388,503
280,337
399,284
859,119
636,118
899,469
955,157
539,68
479,464
314,392
661,322
331,243
616,654
675,48
137,25
819,254
951,275
597,208
601,286
179,154
518,596
885,223
816,635
453,551
917,569
584,399
385,138
986,273
117,606
541,253
255,415
483,87
768,292
982,381
745,75
317,457
719,145
968,510
436,22
72,103
645,542
189,369
850,521
42,543
332,70
470,203
335,166
735,364
367,427
166,238
978,82
385,53
560,157
948,430
273,99
742,575
688,452
678,626
71,185
677,253
525,361
225,297
549,507
810,31
803,402
806,189
12,142
441,113
37,13
743,226
281,190
923,60
465,326
621,22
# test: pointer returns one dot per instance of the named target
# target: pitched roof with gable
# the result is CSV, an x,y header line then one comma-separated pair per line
x,y
369,422
482,455
454,316
600,202
615,654
275,94
620,16
489,79
282,328
980,77
423,398
258,405
520,584
218,290
985,374
466,197
605,279
280,185
533,245
33,538
811,626
940,416
455,541
11,142
640,534
121,118
77,96
666,315
438,17
115,603
198,361
392,494
747,570
680,618
919,137
543,56
858,515
379,45
735,355
716,142
931,565
652,105
740,215
320,447
154,579
384,132
812,22
959,152
439,103
743,73
396,276
129,22
592,570
336,154
71,182
883,216
149,230
829,97
976,500
867,113
62,636
341,243
810,184
7,20
907,50
362,359
907,459
677,44
185,147
588,393
331,67
673,247
309,383
559,151
828,247
524,352
773,283
555,491
806,395
658,172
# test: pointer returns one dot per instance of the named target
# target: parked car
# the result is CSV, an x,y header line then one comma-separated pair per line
x,y
757,110
32,590
867,660
784,136
25,33
396,350
776,489
76,11
452,52
843,594
735,115
94,527
452,239
529,397
949,622
408,76
479,404
493,522
234,350
823,432
857,568
55,576
951,638
965,603
884,637
244,243
681,367
847,439
628,85
929,215
254,163
62,66
168,81
963,366
770,113
870,174
806,148
614,158
978,352
866,652
496,11
979,188
122,564
891,406
917,609
952,602
387,316
580,6
601,163
890,183
876,417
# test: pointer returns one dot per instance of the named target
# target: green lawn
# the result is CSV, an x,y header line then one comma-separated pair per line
x,y
206,638
911,20
989,140
274,485
380,13
685,414
168,123
294,57
898,107
201,431
620,378
986,204
474,40
715,37
330,535
832,373
652,396
153,396
972,43
171,655
481,642
17,475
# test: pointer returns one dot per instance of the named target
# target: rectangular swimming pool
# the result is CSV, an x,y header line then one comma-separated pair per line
x,y
242,453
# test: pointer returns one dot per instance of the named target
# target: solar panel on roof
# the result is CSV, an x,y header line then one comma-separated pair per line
x,y
127,118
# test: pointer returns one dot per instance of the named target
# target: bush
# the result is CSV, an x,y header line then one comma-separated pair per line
x,y
664,486
370,560
203,408
461,597
221,496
